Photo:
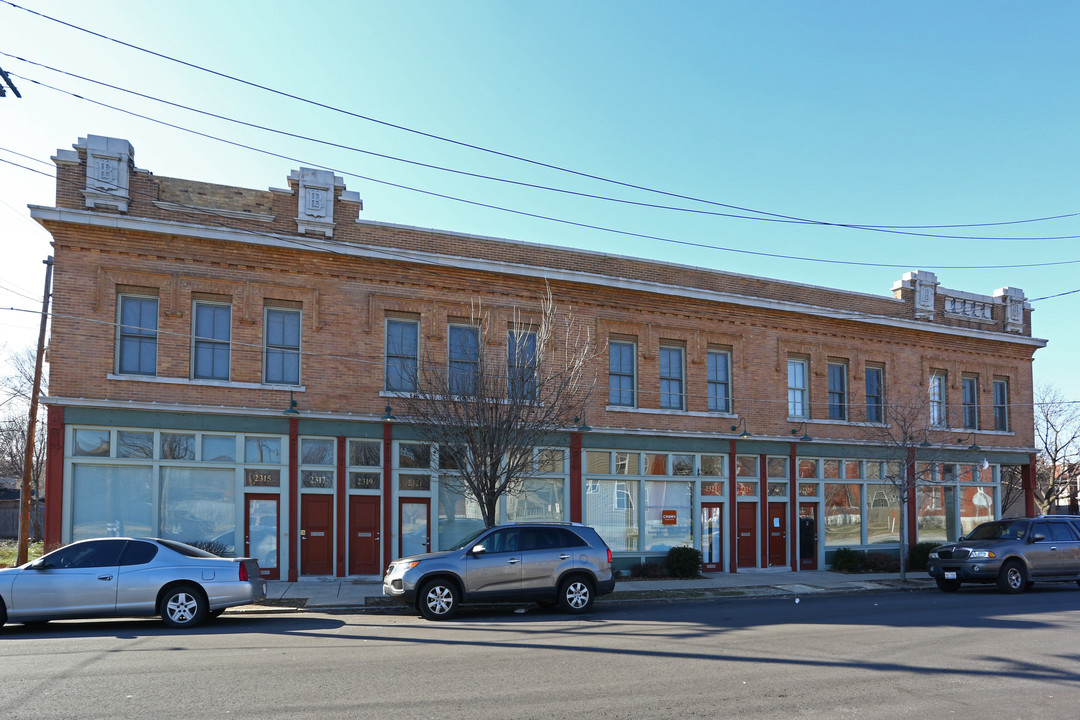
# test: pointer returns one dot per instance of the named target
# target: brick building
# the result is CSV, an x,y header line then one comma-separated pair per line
x,y
219,373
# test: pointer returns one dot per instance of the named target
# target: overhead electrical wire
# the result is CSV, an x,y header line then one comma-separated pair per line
x,y
519,158
535,186
562,221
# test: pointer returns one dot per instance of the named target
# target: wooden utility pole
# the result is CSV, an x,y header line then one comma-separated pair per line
x,y
28,461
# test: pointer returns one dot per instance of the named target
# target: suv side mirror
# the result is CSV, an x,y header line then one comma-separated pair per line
x,y
1037,537
478,550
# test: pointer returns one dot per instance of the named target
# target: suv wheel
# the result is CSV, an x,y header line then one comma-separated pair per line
x,y
1012,578
576,595
438,600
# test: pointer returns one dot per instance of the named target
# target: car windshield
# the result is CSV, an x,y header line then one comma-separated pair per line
x,y
468,540
1005,530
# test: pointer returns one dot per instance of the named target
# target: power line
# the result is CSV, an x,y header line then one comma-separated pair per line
x,y
562,221
899,230
502,154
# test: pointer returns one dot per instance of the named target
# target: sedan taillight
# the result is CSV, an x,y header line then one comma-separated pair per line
x,y
243,572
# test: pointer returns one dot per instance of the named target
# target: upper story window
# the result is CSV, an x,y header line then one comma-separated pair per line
x,y
719,371
464,359
937,399
875,394
137,342
401,355
621,373
281,356
521,364
969,387
671,378
1001,405
838,402
796,384
213,330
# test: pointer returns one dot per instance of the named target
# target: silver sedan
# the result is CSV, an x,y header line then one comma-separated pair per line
x,y
113,577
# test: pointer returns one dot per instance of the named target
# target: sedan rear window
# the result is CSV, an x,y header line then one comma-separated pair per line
x,y
138,553
185,549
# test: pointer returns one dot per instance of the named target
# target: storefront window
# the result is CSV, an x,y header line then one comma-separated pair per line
x,y
364,453
932,515
746,466
873,470
414,455
599,463
976,506
131,444
667,515
883,514
655,464
198,505
777,467
262,450
219,448
91,443
627,463
611,509
851,470
843,514
538,499
111,500
714,465
778,489
316,452
682,464
832,469
808,468
550,460
177,446
808,489
459,516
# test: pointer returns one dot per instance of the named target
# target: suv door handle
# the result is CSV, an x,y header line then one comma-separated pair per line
x,y
564,556
512,561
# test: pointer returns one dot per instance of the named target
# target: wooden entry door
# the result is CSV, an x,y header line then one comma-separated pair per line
x,y
364,535
777,534
317,535
261,532
712,536
746,531
808,536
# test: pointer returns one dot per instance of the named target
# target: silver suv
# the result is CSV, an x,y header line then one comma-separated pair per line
x,y
1014,553
550,563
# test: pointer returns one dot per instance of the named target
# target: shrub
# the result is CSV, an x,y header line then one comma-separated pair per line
x,y
647,570
847,560
684,562
881,562
919,555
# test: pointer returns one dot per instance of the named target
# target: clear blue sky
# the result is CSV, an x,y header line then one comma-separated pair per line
x,y
919,113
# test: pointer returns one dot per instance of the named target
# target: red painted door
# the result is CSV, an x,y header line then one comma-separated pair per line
x,y
746,542
712,537
317,535
364,535
777,534
261,533
808,536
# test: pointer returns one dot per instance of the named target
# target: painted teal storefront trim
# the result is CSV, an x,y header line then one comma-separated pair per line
x,y
174,420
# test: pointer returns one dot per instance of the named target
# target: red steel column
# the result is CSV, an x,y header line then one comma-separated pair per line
x,y
793,507
733,511
763,511
342,498
1028,480
294,497
54,478
387,495
575,477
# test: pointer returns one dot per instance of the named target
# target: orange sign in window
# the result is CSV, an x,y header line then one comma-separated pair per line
x,y
669,517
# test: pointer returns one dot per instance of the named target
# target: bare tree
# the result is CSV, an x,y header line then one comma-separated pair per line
x,y
1057,436
497,394
15,389
909,454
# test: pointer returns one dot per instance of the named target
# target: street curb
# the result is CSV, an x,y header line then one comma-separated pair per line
x,y
381,605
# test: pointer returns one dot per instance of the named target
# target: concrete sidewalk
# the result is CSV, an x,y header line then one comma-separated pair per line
x,y
365,594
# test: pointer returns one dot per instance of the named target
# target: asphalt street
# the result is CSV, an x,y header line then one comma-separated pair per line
x,y
974,654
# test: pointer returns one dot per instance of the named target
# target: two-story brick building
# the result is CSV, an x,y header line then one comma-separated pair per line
x,y
222,361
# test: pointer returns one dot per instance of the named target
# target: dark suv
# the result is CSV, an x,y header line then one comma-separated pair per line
x,y
1014,553
551,563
